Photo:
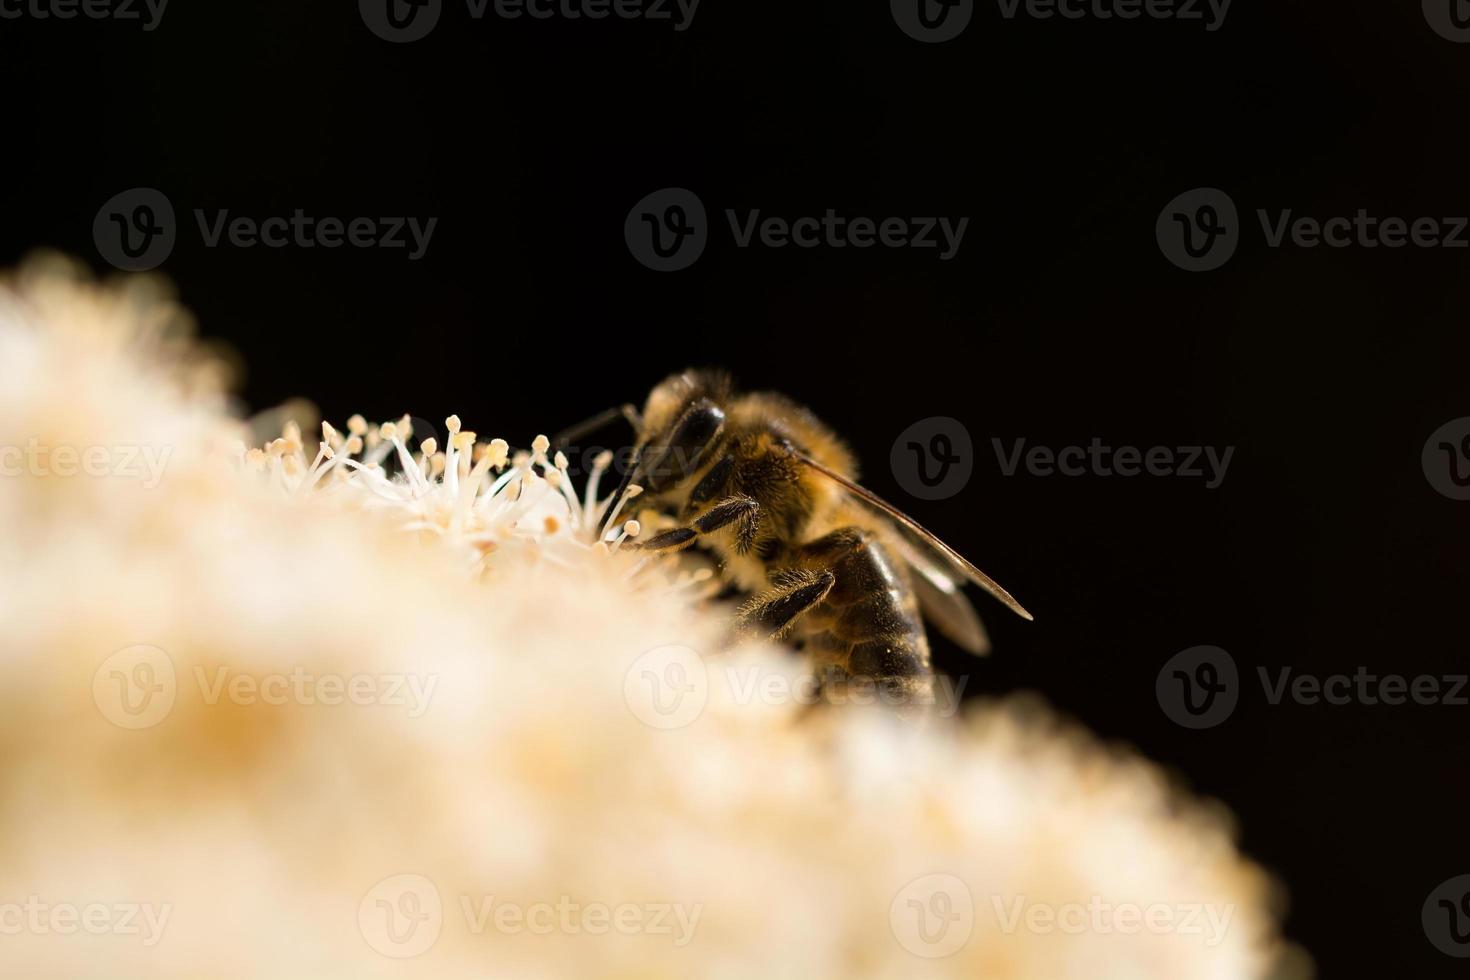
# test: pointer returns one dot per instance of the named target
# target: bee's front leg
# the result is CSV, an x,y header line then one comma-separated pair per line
x,y
742,512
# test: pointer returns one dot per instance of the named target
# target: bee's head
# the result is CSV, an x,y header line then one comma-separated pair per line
x,y
684,417
682,420
672,397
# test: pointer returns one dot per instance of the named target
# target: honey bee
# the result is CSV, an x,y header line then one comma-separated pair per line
x,y
764,486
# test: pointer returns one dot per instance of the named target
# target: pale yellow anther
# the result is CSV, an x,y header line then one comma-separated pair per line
x,y
499,450
540,444
429,446
388,430
327,451
354,446
357,425
603,459
560,460
452,424
631,528
462,441
329,434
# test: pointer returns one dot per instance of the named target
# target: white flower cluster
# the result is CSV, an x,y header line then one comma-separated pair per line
x,y
248,733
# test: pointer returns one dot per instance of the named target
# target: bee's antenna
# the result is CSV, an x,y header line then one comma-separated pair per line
x,y
597,422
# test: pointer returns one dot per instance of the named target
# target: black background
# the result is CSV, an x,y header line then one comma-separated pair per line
x,y
1059,320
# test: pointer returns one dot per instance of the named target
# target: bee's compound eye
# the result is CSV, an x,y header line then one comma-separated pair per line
x,y
677,458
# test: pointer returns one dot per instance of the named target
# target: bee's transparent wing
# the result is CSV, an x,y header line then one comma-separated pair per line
x,y
921,539
943,601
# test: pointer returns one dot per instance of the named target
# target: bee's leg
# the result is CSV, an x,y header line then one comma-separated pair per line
x,y
773,612
739,511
